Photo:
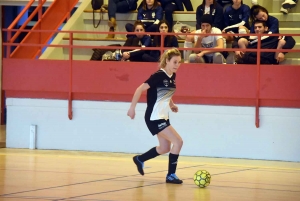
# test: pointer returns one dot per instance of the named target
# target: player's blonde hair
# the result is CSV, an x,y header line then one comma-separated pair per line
x,y
168,55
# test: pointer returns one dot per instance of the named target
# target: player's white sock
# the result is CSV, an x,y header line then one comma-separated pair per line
x,y
187,53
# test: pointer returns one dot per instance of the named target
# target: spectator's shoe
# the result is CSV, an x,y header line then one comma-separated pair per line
x,y
111,34
254,2
288,4
230,59
138,164
173,179
284,11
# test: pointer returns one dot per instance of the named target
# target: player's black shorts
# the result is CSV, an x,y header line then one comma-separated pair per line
x,y
157,126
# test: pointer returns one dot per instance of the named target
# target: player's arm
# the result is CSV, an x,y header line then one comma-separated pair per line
x,y
136,96
173,107
220,44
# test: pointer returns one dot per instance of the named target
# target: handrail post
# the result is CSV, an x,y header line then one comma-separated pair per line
x,y
257,82
162,42
40,13
70,112
8,46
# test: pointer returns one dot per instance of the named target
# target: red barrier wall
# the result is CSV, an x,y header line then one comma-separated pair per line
x,y
235,85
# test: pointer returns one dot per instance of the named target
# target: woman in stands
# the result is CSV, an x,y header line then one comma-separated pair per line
x,y
236,19
118,6
142,40
214,9
160,88
169,41
258,12
150,13
169,6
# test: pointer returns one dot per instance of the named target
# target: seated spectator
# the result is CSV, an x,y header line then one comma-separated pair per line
x,y
150,13
287,5
141,40
236,19
224,3
169,6
206,41
169,41
118,6
212,8
272,42
188,5
258,12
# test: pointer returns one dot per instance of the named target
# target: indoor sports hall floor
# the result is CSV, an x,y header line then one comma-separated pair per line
x,y
73,175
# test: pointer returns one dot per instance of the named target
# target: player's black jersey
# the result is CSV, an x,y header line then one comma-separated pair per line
x,y
162,88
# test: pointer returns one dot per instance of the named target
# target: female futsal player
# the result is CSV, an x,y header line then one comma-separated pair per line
x,y
160,88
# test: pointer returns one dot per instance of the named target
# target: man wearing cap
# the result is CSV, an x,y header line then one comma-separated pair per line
x,y
214,42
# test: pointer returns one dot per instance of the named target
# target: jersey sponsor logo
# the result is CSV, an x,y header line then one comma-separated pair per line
x,y
230,16
144,15
153,15
166,83
240,16
162,125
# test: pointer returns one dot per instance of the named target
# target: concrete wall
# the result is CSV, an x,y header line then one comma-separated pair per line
x,y
214,131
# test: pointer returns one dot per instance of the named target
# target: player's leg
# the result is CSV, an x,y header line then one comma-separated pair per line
x,y
172,136
163,147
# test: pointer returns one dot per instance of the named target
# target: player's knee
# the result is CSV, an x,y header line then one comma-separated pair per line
x,y
164,150
178,143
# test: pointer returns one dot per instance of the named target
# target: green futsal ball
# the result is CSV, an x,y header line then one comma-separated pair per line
x,y
202,178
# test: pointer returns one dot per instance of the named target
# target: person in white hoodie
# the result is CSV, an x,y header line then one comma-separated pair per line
x,y
214,42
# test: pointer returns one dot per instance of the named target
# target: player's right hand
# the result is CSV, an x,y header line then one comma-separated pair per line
x,y
131,113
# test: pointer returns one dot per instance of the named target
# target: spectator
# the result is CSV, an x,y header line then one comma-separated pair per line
x,y
188,5
287,5
272,42
150,13
169,41
258,12
118,6
169,6
236,19
141,40
207,41
212,8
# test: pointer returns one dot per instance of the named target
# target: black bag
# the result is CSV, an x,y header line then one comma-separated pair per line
x,y
97,5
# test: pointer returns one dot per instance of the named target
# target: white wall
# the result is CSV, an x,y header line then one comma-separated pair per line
x,y
214,131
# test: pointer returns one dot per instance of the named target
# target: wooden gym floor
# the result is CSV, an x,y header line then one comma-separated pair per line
x,y
93,176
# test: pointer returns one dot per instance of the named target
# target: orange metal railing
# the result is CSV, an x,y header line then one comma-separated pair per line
x,y
70,46
52,19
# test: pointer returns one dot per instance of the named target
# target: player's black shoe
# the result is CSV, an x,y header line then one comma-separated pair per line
x,y
139,164
173,179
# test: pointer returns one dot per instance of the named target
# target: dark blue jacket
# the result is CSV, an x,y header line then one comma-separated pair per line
x,y
216,13
149,16
232,17
177,2
145,41
272,23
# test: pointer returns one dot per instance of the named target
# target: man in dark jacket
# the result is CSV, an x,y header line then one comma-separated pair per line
x,y
267,42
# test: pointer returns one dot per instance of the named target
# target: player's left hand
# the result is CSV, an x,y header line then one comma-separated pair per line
x,y
174,108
